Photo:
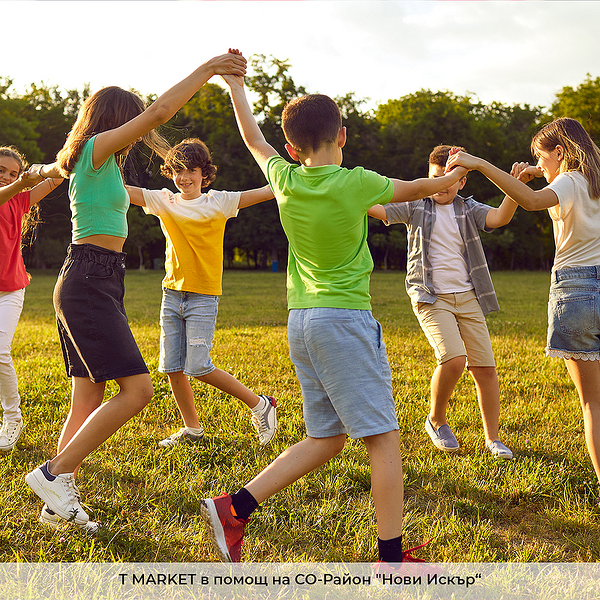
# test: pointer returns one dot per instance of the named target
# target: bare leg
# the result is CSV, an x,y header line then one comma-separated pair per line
x,y
387,484
184,396
135,392
586,377
86,397
443,381
488,393
294,463
230,385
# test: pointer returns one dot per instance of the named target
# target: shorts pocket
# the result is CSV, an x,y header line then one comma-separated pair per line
x,y
575,314
95,270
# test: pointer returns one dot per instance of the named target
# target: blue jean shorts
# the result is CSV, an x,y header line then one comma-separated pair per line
x,y
187,329
574,314
94,332
341,363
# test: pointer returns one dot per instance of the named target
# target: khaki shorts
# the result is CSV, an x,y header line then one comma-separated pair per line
x,y
455,326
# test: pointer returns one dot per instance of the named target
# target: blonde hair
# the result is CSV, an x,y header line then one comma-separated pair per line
x,y
104,110
581,153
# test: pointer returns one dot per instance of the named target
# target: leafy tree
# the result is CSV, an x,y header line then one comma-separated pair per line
x,y
581,103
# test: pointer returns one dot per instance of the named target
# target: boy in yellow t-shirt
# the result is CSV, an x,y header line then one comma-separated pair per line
x,y
194,224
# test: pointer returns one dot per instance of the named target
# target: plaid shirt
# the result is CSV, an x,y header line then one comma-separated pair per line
x,y
419,217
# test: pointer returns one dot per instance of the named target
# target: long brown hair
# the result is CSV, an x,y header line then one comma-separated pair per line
x,y
104,110
581,153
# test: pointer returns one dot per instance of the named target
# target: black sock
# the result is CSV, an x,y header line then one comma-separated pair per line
x,y
390,550
244,503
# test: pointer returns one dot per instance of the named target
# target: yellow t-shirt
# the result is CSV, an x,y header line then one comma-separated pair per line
x,y
194,230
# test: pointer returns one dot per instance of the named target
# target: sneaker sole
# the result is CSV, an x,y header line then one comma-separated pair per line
x,y
208,511
90,528
33,481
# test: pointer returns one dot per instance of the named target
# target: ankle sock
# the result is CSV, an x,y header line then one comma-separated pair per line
x,y
390,550
194,430
243,503
262,402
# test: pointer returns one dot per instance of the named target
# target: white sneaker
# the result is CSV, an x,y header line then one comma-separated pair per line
x,y
265,421
59,492
51,519
9,434
182,436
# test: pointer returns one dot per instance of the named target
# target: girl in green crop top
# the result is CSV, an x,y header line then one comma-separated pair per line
x,y
96,340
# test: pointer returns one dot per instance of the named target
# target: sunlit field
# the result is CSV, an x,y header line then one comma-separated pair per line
x,y
541,507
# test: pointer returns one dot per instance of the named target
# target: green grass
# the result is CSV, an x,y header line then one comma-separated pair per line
x,y
540,507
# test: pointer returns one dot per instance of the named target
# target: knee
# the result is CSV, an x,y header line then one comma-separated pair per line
x,y
455,366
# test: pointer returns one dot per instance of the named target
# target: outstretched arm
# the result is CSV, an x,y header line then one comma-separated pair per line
x,y
253,137
165,106
377,212
407,191
136,195
29,178
251,197
514,188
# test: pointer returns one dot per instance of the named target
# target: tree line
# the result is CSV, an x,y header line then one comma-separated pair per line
x,y
394,139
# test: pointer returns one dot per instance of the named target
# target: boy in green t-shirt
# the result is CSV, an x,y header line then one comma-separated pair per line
x,y
335,343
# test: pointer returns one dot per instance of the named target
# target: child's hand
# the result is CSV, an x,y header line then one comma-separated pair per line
x,y
525,172
32,175
231,80
232,63
458,158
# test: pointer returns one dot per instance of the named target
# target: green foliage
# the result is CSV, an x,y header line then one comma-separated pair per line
x,y
541,507
582,103
395,139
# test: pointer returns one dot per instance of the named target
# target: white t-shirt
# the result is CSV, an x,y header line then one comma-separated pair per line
x,y
447,253
576,222
194,230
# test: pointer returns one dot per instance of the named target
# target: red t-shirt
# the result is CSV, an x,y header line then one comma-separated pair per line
x,y
13,275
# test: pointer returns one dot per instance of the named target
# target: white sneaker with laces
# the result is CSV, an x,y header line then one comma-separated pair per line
x,y
182,436
265,420
51,519
9,434
59,492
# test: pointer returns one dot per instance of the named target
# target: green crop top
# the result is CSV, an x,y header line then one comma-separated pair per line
x,y
99,200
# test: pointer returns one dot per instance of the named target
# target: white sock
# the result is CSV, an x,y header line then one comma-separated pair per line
x,y
262,402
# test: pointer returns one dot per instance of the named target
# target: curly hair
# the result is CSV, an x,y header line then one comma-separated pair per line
x,y
190,154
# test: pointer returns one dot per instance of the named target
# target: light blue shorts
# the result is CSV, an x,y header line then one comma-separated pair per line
x,y
574,313
187,329
341,363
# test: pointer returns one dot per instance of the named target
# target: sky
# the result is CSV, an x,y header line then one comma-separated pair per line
x,y
514,52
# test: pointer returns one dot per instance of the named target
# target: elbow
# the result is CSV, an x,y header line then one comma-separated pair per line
x,y
159,114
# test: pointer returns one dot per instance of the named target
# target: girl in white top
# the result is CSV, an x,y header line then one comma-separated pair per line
x,y
570,161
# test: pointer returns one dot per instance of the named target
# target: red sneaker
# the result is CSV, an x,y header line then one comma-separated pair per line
x,y
226,531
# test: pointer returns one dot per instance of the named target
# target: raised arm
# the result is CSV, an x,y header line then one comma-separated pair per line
x,y
251,197
522,194
165,106
407,191
29,178
498,217
253,137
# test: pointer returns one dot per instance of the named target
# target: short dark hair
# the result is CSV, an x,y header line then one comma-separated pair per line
x,y
310,121
439,155
189,154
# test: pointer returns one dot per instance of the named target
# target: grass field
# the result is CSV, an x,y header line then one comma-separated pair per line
x,y
541,507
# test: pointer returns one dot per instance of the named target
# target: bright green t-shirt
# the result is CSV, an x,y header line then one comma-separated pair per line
x,y
323,212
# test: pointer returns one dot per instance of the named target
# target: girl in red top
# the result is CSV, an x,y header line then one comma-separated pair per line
x,y
15,205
